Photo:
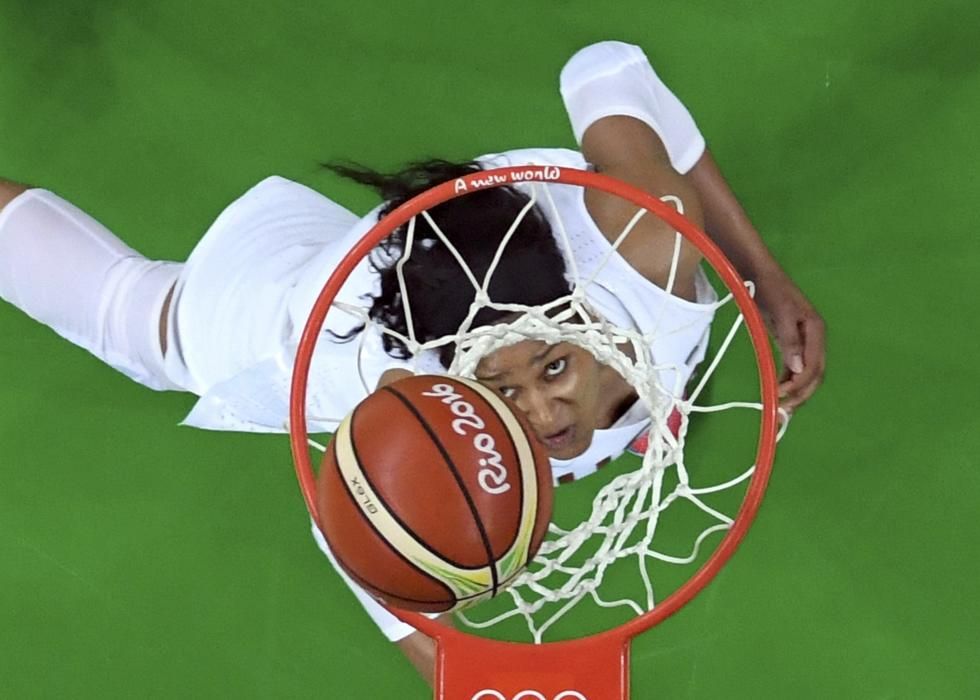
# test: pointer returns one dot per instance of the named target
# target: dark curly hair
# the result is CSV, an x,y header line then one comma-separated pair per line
x,y
531,272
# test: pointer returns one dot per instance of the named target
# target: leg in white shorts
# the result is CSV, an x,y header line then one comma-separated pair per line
x,y
68,271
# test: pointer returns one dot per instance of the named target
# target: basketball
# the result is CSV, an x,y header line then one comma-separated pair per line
x,y
433,495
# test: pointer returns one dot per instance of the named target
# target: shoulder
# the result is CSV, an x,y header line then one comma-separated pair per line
x,y
628,150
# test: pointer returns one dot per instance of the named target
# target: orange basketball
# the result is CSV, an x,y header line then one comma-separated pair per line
x,y
433,495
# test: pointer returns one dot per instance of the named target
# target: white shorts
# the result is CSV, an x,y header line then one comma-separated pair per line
x,y
231,314
231,305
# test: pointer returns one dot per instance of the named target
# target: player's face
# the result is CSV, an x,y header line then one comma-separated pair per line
x,y
556,386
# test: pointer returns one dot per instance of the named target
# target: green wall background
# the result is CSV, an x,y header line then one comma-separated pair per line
x,y
139,559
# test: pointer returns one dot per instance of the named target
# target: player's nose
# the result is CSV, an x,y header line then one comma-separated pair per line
x,y
539,409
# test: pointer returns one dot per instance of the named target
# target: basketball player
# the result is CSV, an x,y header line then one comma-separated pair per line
x,y
225,323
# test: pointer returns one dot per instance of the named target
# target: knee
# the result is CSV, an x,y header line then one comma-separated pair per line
x,y
10,189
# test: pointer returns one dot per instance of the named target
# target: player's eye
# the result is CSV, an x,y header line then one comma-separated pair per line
x,y
507,392
556,367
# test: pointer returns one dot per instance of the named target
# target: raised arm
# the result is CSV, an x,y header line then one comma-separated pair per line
x,y
631,126
794,322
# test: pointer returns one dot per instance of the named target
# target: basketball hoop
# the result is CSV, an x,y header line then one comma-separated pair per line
x,y
594,667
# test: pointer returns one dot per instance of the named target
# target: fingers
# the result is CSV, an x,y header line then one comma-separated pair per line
x,y
790,339
801,380
800,334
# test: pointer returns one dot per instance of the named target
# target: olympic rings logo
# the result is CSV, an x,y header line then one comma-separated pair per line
x,y
488,694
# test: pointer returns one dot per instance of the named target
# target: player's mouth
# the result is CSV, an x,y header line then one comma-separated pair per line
x,y
561,440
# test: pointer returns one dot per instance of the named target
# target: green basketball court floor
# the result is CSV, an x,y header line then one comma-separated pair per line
x,y
139,559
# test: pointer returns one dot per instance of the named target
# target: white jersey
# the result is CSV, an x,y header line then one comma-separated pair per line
x,y
248,287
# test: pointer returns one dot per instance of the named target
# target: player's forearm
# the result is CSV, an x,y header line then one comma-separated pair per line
x,y
728,224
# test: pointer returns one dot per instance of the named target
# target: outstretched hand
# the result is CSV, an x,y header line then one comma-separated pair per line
x,y
800,335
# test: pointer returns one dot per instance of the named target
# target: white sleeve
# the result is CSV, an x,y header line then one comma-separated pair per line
x,y
613,78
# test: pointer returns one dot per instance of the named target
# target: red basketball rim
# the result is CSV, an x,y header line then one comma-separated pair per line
x,y
618,637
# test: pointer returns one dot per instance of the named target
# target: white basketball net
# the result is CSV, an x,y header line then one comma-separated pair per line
x,y
626,512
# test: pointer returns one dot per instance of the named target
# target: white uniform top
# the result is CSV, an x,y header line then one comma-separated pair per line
x,y
248,287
